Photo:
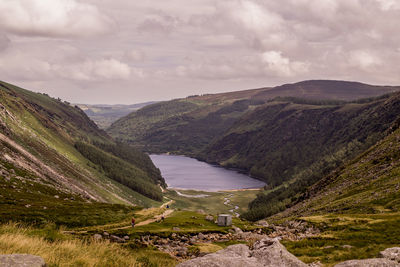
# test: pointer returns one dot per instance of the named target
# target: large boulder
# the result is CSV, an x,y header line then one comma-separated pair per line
x,y
391,254
267,252
368,263
21,260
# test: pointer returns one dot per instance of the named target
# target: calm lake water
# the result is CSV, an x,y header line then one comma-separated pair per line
x,y
188,173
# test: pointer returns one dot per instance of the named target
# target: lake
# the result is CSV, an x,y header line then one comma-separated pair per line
x,y
182,172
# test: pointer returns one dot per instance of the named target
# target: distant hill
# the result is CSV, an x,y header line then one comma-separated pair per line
x,y
187,126
327,89
105,115
49,144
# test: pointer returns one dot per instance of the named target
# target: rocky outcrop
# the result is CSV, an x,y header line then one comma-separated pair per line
x,y
266,252
21,260
387,258
391,254
368,263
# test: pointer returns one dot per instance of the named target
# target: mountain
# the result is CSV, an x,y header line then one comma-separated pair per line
x,y
187,126
53,151
105,115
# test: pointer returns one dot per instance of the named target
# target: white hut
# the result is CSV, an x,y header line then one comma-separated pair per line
x,y
224,220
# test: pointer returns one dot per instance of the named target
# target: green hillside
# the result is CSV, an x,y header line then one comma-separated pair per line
x,y
356,207
299,143
39,137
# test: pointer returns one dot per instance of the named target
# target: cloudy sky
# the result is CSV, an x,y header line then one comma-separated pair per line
x,y
130,51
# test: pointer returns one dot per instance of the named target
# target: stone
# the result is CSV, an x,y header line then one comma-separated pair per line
x,y
176,229
126,237
267,252
105,234
21,260
368,263
117,239
347,246
391,254
181,251
237,230
200,236
97,237
262,223
210,218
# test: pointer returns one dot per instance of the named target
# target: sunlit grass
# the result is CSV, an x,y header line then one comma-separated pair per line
x,y
61,250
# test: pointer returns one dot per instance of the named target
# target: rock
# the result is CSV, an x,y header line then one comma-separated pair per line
x,y
181,251
176,229
117,239
267,252
347,246
262,223
368,263
97,237
56,196
200,236
237,229
105,234
391,254
210,218
126,237
201,211
21,260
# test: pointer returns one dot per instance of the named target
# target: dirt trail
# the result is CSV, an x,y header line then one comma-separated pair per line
x,y
155,218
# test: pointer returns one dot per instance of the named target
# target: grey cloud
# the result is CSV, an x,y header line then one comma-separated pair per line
x,y
4,41
169,49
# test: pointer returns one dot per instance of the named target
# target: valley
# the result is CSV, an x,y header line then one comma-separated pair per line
x,y
326,163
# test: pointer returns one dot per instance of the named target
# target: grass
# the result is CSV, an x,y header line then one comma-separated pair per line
x,y
188,222
63,250
367,234
213,203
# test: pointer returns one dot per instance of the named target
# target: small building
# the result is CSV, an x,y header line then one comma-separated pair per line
x,y
224,220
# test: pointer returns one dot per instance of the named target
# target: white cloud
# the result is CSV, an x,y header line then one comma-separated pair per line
x,y
135,55
282,66
387,5
52,18
364,60
27,66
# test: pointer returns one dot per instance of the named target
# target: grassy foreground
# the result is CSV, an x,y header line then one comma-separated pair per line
x,y
58,249
347,236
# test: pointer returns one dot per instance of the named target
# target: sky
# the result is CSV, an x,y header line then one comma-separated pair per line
x,y
131,51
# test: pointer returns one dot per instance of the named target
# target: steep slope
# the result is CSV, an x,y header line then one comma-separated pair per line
x,y
38,134
279,140
368,184
187,126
